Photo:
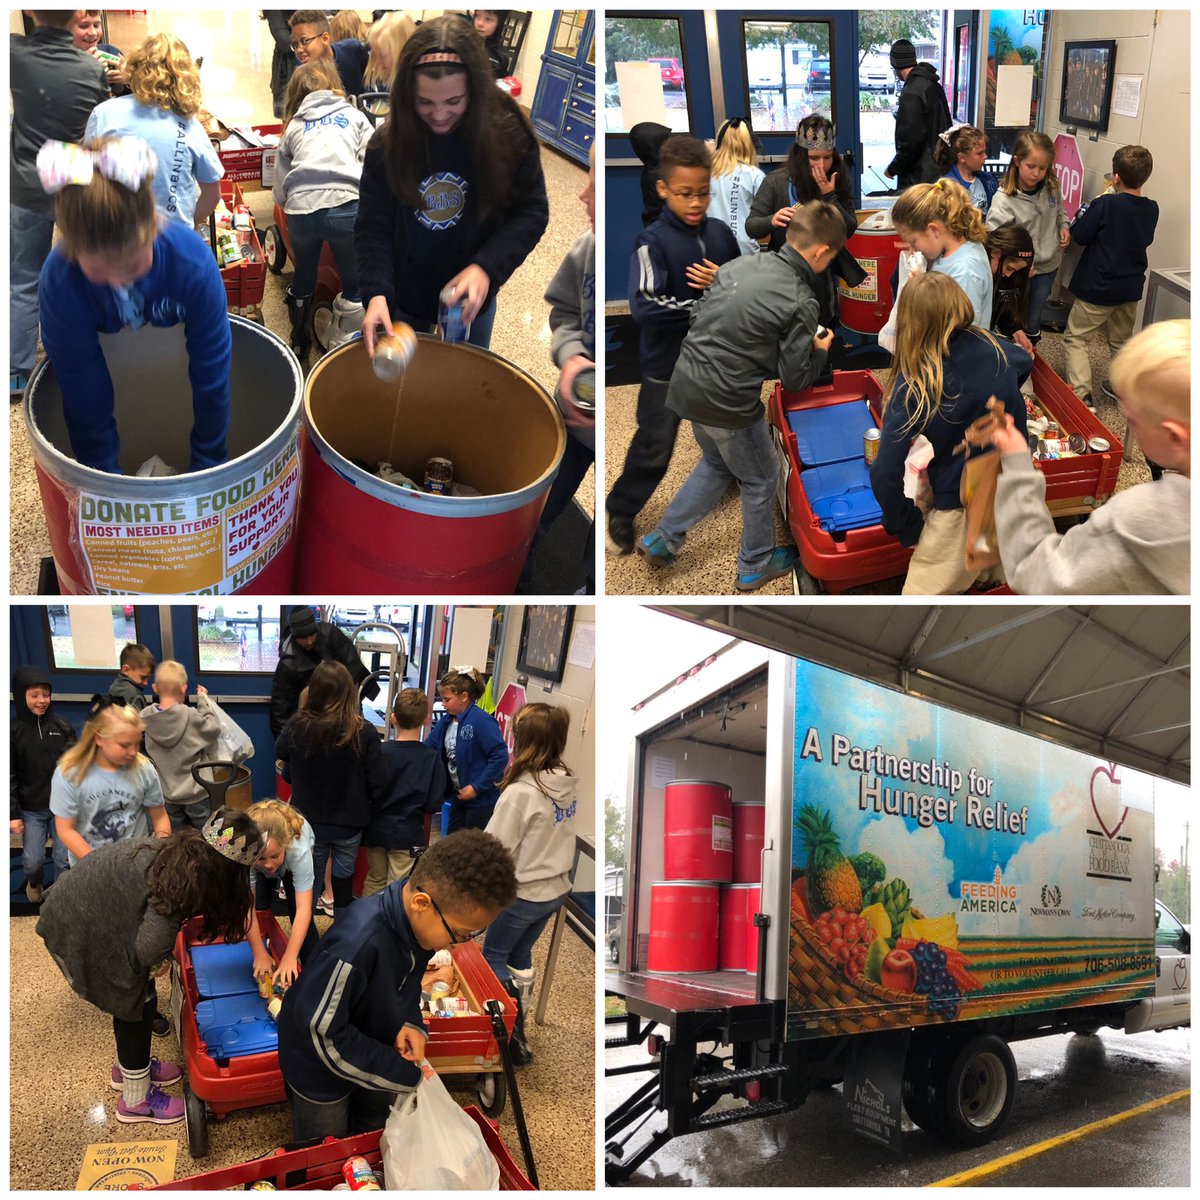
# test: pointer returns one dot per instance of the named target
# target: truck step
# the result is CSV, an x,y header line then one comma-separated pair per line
x,y
725,1080
732,1116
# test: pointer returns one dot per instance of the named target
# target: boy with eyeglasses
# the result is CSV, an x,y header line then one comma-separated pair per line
x,y
674,260
310,40
350,1030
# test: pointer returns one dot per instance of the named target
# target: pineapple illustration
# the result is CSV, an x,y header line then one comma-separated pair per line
x,y
832,882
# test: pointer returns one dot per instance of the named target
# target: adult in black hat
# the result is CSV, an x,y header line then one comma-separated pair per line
x,y
306,643
922,114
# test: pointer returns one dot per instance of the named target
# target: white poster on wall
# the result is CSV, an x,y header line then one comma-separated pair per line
x,y
1127,95
93,640
640,91
1014,96
662,771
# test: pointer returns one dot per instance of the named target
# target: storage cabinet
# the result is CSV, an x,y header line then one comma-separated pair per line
x,y
564,106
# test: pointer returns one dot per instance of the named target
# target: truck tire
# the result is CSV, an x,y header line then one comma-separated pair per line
x,y
978,1090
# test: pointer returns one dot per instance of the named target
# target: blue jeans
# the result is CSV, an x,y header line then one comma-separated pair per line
x,y
39,825
345,856
456,816
189,816
30,236
363,1111
308,231
481,327
1040,287
511,936
746,455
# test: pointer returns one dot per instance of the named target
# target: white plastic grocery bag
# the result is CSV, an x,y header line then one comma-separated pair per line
x,y
911,263
916,473
233,744
429,1143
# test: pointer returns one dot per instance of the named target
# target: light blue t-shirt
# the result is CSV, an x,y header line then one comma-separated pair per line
x,y
969,267
297,859
107,806
730,200
185,155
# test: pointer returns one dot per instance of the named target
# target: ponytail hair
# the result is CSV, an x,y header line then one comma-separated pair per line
x,y
735,145
958,140
945,201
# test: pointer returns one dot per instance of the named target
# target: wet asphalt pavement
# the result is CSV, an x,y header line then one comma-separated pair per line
x,y
1064,1083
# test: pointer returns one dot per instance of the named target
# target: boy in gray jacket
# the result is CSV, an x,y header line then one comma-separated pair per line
x,y
178,737
757,321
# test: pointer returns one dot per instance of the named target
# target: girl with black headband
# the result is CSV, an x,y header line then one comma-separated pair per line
x,y
736,178
453,197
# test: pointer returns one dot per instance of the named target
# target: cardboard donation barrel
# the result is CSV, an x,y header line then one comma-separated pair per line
x,y
683,928
498,427
240,792
733,940
225,529
753,901
865,309
698,831
749,820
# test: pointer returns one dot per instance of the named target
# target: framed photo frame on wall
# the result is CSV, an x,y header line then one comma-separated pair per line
x,y
1087,84
545,637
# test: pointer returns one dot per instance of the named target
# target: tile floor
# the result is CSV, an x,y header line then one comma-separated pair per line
x,y
236,79
61,1050
706,567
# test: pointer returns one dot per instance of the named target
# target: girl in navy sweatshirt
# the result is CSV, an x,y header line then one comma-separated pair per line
x,y
945,371
453,198
115,266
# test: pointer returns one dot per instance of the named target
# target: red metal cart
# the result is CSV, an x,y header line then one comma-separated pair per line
x,y
462,1045
837,561
319,1168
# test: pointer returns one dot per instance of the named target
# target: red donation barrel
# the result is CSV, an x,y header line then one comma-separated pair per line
x,y
226,529
494,422
865,309
749,820
683,928
698,831
733,939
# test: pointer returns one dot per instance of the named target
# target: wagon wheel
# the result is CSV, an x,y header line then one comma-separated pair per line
x,y
492,1093
195,1119
322,323
274,251
805,584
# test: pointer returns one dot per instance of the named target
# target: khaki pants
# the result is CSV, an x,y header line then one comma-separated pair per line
x,y
384,867
938,566
1117,322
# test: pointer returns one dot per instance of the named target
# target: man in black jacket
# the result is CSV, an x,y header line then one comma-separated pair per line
x,y
37,738
306,643
922,114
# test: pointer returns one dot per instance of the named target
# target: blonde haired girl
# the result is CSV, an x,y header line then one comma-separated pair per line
x,y
961,152
944,372
386,39
287,855
939,220
736,177
161,109
1030,195
104,789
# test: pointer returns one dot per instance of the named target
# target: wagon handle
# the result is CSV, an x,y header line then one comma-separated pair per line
x,y
501,1035
216,789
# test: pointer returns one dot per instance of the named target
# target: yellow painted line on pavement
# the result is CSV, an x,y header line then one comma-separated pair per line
x,y
963,1178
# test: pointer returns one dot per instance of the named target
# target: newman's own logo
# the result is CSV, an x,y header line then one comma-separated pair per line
x,y
1051,905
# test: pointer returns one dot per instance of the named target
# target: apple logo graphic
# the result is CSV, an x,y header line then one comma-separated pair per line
x,y
1106,800
1181,974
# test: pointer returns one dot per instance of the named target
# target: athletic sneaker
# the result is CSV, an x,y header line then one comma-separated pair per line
x,y
161,1026
324,907
782,560
18,381
161,1073
33,893
158,1108
654,549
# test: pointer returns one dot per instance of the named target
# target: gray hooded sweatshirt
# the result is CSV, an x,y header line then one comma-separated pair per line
x,y
176,739
321,153
572,299
538,829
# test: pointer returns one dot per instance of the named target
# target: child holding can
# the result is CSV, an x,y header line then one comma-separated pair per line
x,y
945,371
116,266
453,198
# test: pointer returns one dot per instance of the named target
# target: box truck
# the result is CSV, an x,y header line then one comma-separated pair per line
x,y
828,880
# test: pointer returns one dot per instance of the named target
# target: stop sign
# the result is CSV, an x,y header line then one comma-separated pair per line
x,y
511,703
1068,166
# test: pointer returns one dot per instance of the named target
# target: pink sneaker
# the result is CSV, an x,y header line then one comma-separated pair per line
x,y
157,1108
164,1074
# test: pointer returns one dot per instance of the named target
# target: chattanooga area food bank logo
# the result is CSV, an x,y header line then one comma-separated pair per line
x,y
994,897
1110,852
1051,905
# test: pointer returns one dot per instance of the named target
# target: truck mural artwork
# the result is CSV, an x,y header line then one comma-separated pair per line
x,y
828,880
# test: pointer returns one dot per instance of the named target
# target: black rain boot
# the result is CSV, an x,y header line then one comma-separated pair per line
x,y
518,1047
299,314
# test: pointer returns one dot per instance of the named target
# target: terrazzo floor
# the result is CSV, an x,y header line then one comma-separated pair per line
x,y
61,1050
236,80
707,564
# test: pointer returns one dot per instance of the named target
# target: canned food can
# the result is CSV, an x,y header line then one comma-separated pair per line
x,y
585,389
1053,428
1053,446
871,445
262,1185
1098,445
1077,443
360,1175
439,476
450,317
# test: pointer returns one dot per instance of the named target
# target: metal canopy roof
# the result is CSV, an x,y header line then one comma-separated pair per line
x,y
1113,680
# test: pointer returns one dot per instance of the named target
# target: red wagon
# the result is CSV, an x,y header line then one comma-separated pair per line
x,y
461,1045
835,560
319,1168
